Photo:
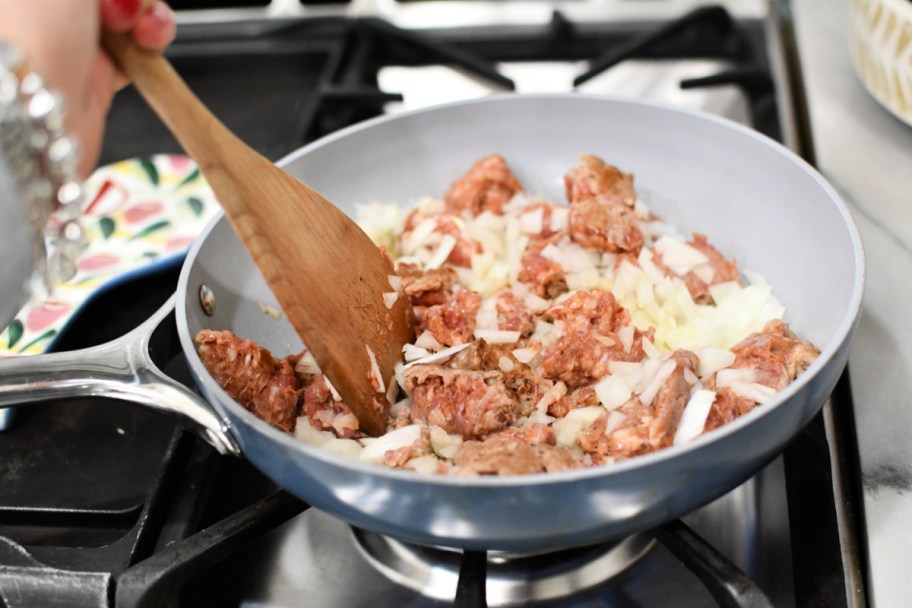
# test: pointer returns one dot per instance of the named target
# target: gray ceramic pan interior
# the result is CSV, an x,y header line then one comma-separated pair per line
x,y
756,202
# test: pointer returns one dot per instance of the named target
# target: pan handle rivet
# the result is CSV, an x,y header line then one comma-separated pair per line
x,y
207,300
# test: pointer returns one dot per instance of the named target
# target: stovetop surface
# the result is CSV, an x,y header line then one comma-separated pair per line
x,y
102,487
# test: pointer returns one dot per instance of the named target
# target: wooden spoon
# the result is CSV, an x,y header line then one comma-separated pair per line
x,y
327,275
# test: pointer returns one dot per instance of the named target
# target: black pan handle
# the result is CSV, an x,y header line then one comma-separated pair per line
x,y
120,369
728,585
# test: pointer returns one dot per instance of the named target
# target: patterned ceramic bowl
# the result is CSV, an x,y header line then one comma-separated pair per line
x,y
881,33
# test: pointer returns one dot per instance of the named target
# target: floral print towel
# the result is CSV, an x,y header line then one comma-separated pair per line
x,y
138,212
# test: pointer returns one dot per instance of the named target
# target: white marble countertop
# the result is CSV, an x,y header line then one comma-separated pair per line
x,y
866,153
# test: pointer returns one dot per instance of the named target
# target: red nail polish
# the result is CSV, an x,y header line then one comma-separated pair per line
x,y
126,9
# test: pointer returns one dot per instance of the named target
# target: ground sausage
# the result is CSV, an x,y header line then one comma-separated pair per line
x,y
777,356
595,180
487,186
251,376
452,322
646,427
508,453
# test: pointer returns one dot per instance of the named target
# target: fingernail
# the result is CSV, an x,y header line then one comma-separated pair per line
x,y
163,12
126,9
120,14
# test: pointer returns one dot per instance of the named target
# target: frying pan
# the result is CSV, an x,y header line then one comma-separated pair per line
x,y
756,201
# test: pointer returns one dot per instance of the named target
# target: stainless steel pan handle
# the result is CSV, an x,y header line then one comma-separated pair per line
x,y
120,369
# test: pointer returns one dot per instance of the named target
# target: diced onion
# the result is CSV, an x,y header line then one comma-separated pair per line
x,y
419,235
535,303
625,335
652,389
613,392
444,444
426,464
712,359
411,352
437,357
375,370
332,389
568,428
615,418
447,243
307,365
524,355
497,336
427,341
693,419
731,375
376,448
559,218
390,297
677,255
532,222
753,391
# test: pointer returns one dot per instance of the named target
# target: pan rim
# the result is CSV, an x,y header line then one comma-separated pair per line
x,y
837,346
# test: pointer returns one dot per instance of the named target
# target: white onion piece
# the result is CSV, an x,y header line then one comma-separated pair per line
x,y
649,348
426,464
705,272
332,389
731,375
552,395
625,335
677,255
559,218
604,340
652,389
532,222
568,428
447,243
535,303
427,341
613,392
443,355
393,391
712,359
395,281
411,352
497,336
615,418
486,320
375,449
375,370
550,252
307,365
419,235
693,419
753,391
444,444
307,433
390,297
524,355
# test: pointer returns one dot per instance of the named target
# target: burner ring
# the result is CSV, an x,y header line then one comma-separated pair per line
x,y
512,578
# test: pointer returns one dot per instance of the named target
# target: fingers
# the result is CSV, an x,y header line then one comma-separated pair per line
x,y
156,28
122,15
150,21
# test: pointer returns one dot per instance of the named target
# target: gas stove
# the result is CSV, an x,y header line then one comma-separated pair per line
x,y
104,504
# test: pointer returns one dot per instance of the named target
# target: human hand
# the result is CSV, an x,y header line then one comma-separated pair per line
x,y
60,40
